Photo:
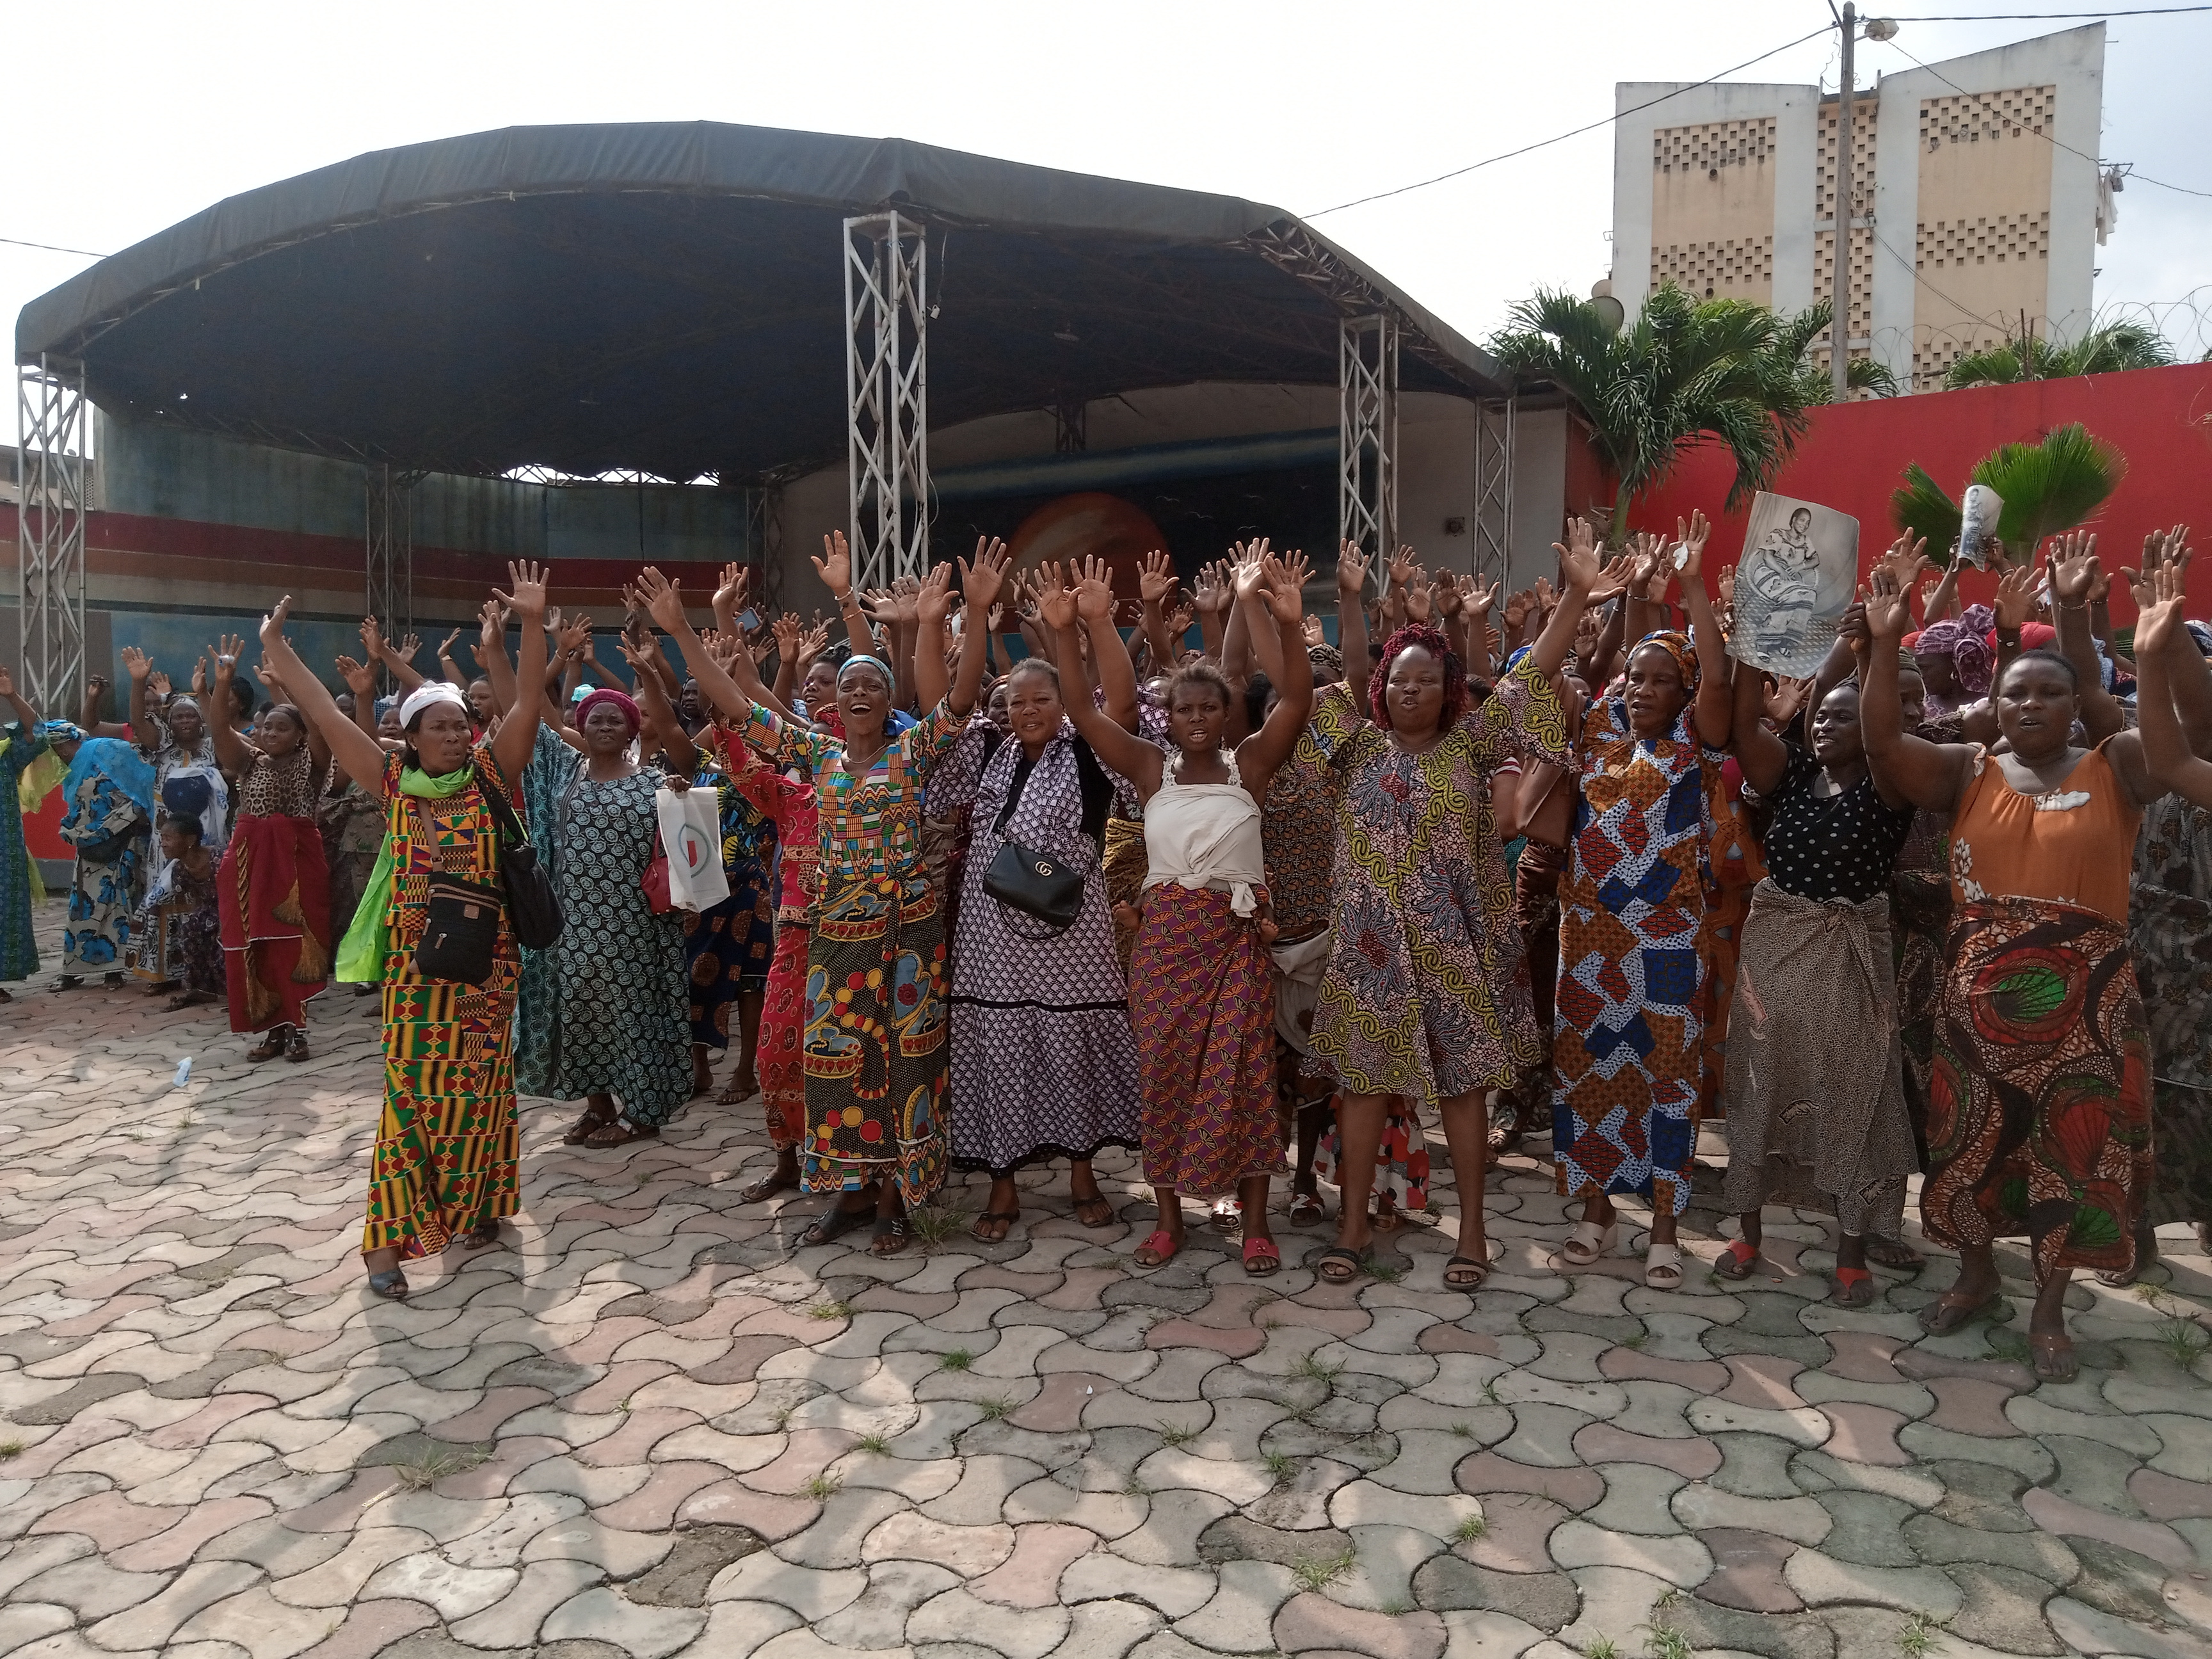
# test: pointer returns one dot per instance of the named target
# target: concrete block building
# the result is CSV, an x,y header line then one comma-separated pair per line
x,y
1974,201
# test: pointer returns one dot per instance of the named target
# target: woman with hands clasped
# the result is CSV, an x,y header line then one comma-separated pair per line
x,y
1200,994
1815,959
445,1162
1632,995
2039,1119
274,884
875,1035
1426,998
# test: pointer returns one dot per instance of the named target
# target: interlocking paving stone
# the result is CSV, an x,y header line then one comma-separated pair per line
x,y
649,1427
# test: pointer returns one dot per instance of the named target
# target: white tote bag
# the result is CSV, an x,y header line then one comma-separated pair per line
x,y
691,838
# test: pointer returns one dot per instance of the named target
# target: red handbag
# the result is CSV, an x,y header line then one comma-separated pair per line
x,y
654,882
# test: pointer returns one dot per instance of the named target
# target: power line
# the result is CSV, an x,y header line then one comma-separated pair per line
x,y
17,241
2047,16
2093,161
1543,143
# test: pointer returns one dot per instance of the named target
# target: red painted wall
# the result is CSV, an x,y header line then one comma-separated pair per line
x,y
1856,455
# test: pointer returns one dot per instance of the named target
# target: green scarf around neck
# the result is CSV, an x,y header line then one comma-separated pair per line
x,y
362,952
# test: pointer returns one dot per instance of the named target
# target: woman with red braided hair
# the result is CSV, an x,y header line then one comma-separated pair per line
x,y
1634,992
1426,997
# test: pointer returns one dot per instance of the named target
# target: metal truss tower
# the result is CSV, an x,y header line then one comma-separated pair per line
x,y
887,396
390,548
1367,436
53,472
1493,487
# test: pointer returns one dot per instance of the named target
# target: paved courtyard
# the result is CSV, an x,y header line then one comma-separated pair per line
x,y
652,1428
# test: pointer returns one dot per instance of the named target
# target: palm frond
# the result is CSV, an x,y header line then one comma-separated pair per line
x,y
2052,486
1998,366
1923,507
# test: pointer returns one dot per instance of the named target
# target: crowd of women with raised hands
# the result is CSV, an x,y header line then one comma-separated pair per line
x,y
1012,881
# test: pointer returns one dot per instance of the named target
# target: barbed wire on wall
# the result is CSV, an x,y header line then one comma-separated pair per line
x,y
1929,350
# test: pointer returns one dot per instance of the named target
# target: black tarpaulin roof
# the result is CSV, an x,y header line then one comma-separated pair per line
x,y
669,298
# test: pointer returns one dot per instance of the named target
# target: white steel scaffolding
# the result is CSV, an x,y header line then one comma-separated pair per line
x,y
887,396
54,472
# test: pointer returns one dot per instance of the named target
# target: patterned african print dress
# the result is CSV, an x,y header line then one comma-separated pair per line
x,y
445,1147
19,949
1631,998
2170,936
2038,1102
728,948
178,936
619,1010
276,894
1043,1062
875,1035
109,830
550,768
780,1064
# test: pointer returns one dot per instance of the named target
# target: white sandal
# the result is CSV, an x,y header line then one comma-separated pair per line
x,y
1589,1242
1662,1267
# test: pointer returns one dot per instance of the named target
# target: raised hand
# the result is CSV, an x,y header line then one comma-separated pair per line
x,y
2159,599
2015,601
835,566
786,629
446,650
136,663
1419,600
933,599
1055,601
2071,559
1351,571
1905,560
1448,593
1480,600
406,648
1852,626
272,625
226,651
736,580
1547,600
1581,538
1248,576
1887,614
158,683
663,599
1094,590
814,642
1181,619
1402,562
1156,578
1286,598
1517,607
1691,536
984,579
1313,635
1787,698
1578,564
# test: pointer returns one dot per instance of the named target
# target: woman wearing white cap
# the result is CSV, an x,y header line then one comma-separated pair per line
x,y
444,1162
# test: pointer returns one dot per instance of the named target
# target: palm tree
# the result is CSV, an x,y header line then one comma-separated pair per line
x,y
1862,374
2028,356
2046,488
1685,372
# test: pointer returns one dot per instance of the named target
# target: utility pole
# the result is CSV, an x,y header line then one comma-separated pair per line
x,y
1840,327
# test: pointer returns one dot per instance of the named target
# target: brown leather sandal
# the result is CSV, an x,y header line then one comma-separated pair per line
x,y
620,1132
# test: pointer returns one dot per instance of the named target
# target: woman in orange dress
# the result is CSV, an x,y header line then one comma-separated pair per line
x,y
2039,1119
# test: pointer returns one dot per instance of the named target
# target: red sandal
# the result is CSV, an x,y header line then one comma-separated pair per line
x,y
1735,1261
1163,1244
1854,1287
1261,1258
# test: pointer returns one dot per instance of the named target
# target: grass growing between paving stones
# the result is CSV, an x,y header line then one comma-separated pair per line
x,y
992,1410
1917,1636
433,1467
10,1449
2184,1338
1472,1527
1173,1434
830,1310
880,1446
1601,1647
1278,1464
937,1227
823,1486
1319,1572
955,1359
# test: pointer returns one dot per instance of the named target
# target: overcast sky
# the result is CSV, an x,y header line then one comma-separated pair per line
x,y
1301,105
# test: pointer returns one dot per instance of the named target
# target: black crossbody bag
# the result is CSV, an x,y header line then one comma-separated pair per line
x,y
1043,884
534,909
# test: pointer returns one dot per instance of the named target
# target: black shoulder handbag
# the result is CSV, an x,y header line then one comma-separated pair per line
x,y
1043,884
460,933
534,909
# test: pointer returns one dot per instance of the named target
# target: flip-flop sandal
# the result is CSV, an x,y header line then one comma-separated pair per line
x,y
1736,1262
1895,1255
620,1133
390,1284
2053,1358
891,1229
736,1092
1087,1208
767,1187
1662,1267
1162,1246
834,1224
483,1237
1854,1287
1228,1216
1339,1265
1464,1273
1261,1258
1589,1242
588,1125
1306,1210
980,1231
1946,1315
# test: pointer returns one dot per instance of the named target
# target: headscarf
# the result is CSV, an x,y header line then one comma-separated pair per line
x,y
876,663
623,702
1328,664
429,695
1965,641
58,731
360,953
1432,641
1676,645
120,763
